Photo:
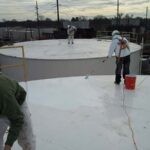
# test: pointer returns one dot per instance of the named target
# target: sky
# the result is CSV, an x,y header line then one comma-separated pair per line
x,y
25,9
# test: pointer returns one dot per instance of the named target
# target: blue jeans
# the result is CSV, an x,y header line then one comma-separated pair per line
x,y
122,67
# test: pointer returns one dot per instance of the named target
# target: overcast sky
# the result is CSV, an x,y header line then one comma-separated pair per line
x,y
25,9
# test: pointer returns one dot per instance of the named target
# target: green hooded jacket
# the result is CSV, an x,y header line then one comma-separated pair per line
x,y
12,95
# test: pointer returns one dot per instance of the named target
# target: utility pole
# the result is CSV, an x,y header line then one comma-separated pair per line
x,y
146,21
118,13
58,21
37,14
146,18
31,35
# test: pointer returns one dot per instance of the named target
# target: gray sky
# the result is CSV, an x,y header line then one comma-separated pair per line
x,y
25,9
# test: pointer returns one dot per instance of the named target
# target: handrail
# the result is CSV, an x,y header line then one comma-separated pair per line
x,y
23,64
133,37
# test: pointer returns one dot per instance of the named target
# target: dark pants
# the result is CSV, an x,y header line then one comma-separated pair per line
x,y
122,63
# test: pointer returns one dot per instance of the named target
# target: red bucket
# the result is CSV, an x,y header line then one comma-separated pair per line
x,y
130,81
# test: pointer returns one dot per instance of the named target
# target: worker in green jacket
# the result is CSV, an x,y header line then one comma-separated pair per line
x,y
14,114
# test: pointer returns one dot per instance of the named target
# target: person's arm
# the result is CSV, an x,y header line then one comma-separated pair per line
x,y
111,49
11,110
20,94
68,31
75,29
7,147
128,47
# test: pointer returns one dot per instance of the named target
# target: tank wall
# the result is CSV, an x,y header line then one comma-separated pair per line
x,y
16,73
42,69
135,63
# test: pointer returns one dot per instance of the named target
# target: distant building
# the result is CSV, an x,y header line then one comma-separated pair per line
x,y
25,34
127,22
77,24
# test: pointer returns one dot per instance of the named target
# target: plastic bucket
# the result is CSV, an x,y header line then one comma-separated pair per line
x,y
130,81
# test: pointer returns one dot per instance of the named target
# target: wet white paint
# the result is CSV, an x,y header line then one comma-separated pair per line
x,y
79,113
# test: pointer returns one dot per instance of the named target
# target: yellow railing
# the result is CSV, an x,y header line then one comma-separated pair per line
x,y
22,64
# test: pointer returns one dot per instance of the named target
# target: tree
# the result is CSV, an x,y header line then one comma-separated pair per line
x,y
48,19
4,20
99,17
14,20
41,18
128,17
80,18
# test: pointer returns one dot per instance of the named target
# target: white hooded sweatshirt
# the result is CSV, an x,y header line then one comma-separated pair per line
x,y
71,30
115,47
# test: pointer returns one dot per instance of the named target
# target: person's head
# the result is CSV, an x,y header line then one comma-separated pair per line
x,y
115,32
69,26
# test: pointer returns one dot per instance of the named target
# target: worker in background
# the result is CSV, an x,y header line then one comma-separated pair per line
x,y
14,115
120,47
71,31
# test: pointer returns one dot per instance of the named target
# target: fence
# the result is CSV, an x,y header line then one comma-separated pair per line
x,y
132,37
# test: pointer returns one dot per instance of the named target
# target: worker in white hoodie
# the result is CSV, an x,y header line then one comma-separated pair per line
x,y
71,31
120,47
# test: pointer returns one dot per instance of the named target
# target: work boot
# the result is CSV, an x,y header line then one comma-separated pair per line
x,y
117,83
117,79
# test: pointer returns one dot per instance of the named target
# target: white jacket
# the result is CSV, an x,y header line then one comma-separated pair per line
x,y
115,47
71,30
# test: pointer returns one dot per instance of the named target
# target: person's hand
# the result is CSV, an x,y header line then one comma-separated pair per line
x,y
7,147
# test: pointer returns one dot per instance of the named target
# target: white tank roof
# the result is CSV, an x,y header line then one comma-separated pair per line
x,y
79,113
60,49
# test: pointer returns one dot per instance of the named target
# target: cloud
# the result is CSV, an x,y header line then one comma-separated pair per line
x,y
25,9
139,2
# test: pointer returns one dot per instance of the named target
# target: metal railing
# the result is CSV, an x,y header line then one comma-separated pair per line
x,y
132,37
22,64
